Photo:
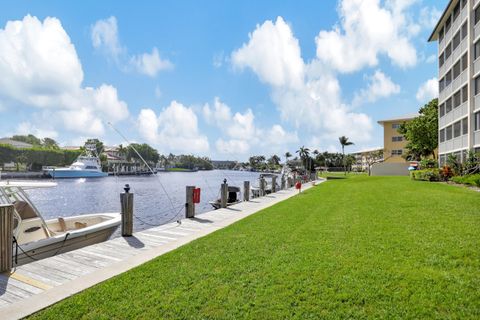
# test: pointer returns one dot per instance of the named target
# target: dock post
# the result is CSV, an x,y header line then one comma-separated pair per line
x,y
6,238
224,194
126,200
274,184
189,205
282,182
262,187
246,190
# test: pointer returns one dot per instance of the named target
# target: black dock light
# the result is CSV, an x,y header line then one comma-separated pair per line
x,y
127,188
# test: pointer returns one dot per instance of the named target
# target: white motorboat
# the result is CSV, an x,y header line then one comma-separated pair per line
x,y
86,166
37,238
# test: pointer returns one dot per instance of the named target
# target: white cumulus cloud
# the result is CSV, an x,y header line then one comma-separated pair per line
x,y
367,29
174,129
379,86
273,53
105,37
40,68
428,90
307,95
241,134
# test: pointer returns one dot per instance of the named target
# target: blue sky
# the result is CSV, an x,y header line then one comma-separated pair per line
x,y
218,78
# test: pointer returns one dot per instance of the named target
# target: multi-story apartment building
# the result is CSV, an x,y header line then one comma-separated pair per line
x,y
393,142
458,36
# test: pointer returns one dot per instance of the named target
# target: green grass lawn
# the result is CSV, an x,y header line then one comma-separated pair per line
x,y
362,247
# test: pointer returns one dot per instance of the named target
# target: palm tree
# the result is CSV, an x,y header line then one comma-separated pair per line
x,y
304,153
344,142
287,155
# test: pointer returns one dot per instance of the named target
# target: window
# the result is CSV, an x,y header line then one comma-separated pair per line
x,y
476,50
441,60
457,99
464,30
456,40
464,3
476,120
397,139
456,70
448,133
448,105
448,50
398,152
441,85
464,62
448,78
477,15
442,109
456,11
464,125
395,125
457,129
477,85
448,23
465,94
442,135
441,34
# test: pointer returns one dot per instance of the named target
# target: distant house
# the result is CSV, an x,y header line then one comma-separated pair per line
x,y
363,157
223,164
14,143
394,144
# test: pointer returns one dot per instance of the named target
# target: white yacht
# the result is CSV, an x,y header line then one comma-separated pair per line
x,y
37,238
86,166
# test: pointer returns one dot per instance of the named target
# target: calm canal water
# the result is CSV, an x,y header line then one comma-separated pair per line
x,y
152,206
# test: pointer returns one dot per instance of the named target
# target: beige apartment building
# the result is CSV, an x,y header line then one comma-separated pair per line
x,y
458,36
393,142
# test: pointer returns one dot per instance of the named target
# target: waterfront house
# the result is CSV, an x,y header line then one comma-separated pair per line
x,y
394,162
458,35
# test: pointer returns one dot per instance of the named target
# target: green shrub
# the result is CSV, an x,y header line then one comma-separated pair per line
x,y
426,175
428,164
469,179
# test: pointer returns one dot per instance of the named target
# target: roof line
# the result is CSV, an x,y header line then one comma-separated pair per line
x,y
439,21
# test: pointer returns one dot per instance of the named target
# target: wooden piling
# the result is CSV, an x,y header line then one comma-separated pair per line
x,y
6,238
282,182
246,190
126,200
224,194
189,205
262,187
274,184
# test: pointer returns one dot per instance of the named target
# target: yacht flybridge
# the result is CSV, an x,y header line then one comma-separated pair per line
x,y
86,166
37,238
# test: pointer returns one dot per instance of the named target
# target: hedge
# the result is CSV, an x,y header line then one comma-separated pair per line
x,y
426,174
37,157
469,179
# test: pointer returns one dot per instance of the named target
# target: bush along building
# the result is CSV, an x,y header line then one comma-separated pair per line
x,y
458,36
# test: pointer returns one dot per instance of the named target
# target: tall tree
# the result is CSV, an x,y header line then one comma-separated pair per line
x,y
422,132
344,142
304,154
287,155
50,143
31,139
97,143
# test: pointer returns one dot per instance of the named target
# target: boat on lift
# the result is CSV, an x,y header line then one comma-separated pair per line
x,y
233,197
37,238
86,166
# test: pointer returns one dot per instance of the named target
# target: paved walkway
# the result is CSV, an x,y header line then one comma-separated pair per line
x,y
36,285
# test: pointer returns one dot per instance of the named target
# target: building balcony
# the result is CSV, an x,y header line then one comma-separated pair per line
x,y
453,144
476,105
476,138
454,115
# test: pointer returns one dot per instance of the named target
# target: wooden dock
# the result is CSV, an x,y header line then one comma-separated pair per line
x,y
36,285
